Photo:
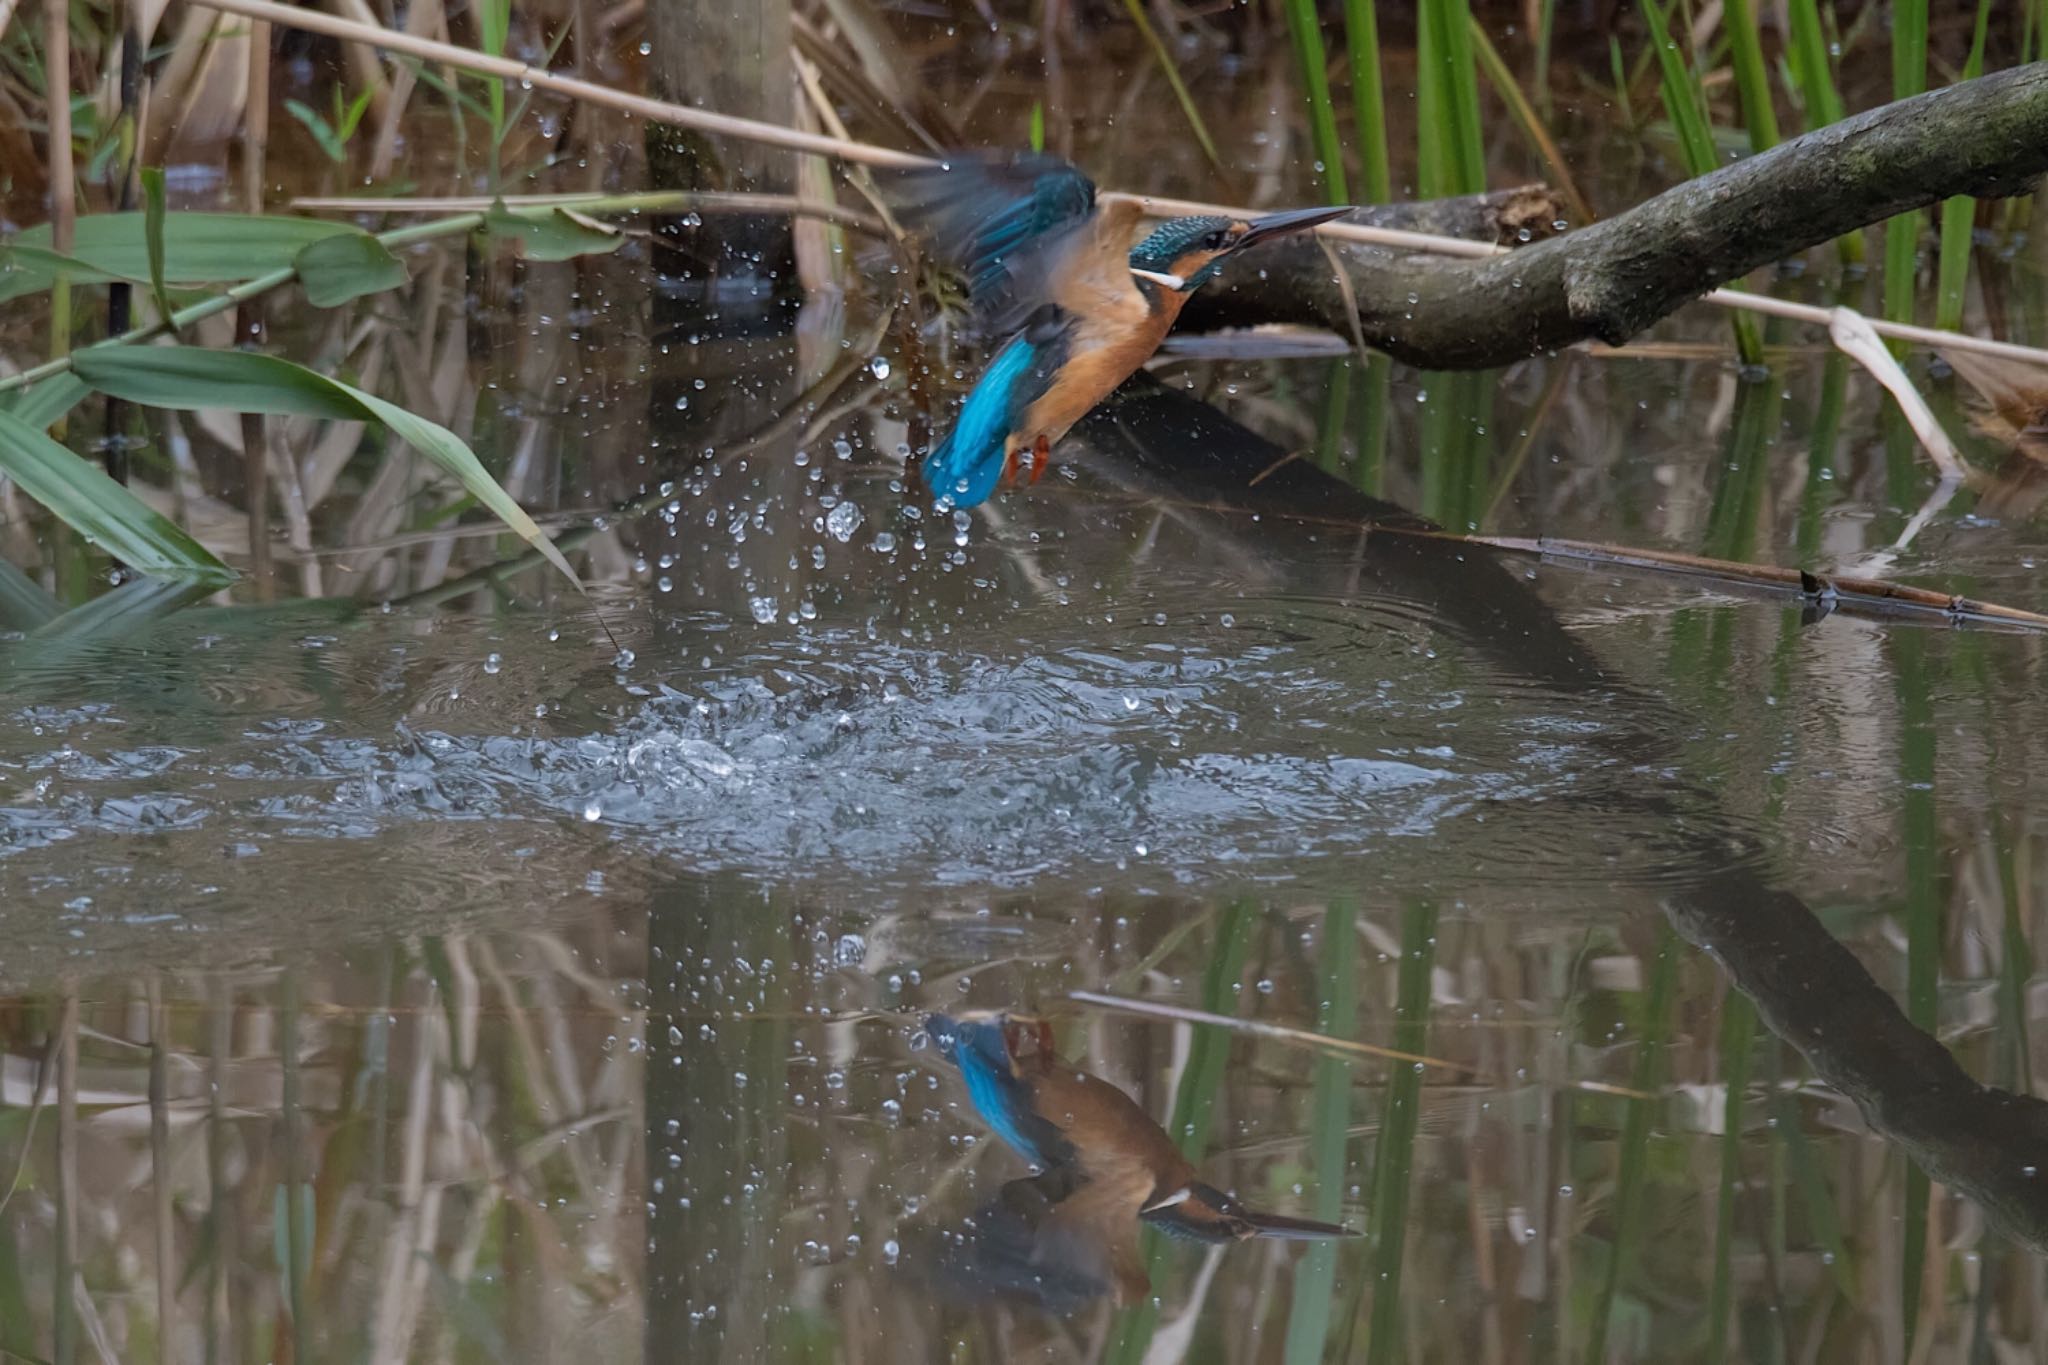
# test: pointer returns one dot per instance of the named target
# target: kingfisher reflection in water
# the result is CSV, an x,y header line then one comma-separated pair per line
x,y
1068,1235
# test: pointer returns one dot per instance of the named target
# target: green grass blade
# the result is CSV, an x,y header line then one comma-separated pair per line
x,y
1468,135
1335,421
1525,117
1820,454
1923,920
1188,107
79,494
1448,133
1307,34
1813,75
1618,73
153,215
1648,1077
1813,65
1194,1103
1378,385
1752,80
1952,271
190,377
1546,26
1315,1274
1393,1159
1902,232
1808,1177
494,26
1368,99
1959,215
1685,102
1738,1038
314,122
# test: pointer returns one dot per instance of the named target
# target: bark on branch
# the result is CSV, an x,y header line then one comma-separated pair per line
x,y
1608,281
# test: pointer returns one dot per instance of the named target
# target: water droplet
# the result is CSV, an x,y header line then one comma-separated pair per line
x,y
879,367
592,811
843,520
493,662
763,609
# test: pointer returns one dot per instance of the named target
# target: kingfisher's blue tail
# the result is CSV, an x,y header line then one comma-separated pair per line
x,y
967,464
978,1048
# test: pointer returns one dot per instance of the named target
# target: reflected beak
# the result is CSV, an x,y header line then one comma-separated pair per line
x,y
1294,220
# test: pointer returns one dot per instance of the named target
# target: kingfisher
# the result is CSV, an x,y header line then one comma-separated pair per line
x,y
1057,274
1107,1154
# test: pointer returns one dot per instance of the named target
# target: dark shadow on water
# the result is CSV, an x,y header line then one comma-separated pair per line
x,y
1812,991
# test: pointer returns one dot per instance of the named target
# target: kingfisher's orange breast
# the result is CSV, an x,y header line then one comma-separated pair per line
x,y
1104,352
1117,326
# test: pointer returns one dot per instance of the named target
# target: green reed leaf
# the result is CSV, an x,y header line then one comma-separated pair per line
x,y
79,494
338,270
1368,100
1394,1157
1315,1274
153,215
199,248
553,234
1959,215
190,377
1304,28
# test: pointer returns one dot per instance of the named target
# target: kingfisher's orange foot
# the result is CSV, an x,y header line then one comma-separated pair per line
x,y
1041,456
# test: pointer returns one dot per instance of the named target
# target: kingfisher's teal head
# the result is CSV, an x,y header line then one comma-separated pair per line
x,y
1183,254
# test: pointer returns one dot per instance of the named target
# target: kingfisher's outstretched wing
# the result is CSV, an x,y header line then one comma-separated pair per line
x,y
1008,220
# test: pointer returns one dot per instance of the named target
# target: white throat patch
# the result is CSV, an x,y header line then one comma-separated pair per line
x,y
1174,282
1179,1196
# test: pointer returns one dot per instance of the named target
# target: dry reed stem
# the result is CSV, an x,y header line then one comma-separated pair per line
x,y
256,118
63,178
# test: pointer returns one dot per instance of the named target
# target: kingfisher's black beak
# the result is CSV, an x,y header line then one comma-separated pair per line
x,y
1294,220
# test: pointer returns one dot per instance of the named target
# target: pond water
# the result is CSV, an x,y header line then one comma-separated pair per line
x,y
457,968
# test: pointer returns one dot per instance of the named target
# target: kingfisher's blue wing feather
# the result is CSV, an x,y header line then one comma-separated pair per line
x,y
1004,220
1003,1100
968,463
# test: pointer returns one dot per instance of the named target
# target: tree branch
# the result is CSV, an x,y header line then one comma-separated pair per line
x,y
1608,281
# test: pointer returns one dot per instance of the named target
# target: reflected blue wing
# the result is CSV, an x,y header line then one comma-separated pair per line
x,y
1003,1100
